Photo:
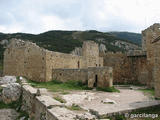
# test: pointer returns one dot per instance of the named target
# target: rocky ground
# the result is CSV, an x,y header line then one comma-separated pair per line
x,y
79,104
101,104
10,93
105,103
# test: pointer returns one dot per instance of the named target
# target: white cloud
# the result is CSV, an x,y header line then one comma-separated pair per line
x,y
35,16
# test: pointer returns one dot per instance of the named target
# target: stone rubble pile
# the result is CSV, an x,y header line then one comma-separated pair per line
x,y
10,90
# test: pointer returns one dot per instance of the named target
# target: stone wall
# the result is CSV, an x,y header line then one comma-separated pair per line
x,y
93,76
100,77
118,62
56,60
65,75
148,36
138,70
128,68
25,59
90,49
37,106
156,68
29,60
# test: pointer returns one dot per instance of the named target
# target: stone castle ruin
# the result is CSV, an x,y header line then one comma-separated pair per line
x,y
87,64
27,59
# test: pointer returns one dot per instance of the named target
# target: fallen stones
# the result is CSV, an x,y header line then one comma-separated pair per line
x,y
11,92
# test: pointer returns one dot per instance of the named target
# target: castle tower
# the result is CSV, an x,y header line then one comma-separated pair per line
x,y
90,49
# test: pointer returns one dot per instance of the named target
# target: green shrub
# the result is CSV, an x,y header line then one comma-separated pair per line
x,y
74,107
58,98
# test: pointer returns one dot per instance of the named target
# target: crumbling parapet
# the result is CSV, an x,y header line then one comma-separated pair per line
x,y
149,35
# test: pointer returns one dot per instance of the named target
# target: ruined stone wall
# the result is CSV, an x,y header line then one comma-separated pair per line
x,y
14,59
37,106
117,61
65,75
56,60
128,68
98,76
90,58
138,70
156,69
148,36
90,49
25,59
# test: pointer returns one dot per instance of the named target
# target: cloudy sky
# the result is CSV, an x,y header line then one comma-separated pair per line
x,y
36,16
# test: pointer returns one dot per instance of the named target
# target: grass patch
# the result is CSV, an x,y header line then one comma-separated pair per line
x,y
65,92
135,83
56,86
23,114
13,105
74,107
3,105
148,91
1,89
108,89
18,79
58,98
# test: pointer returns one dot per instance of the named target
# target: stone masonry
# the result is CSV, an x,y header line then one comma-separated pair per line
x,y
148,36
151,44
23,58
130,68
93,76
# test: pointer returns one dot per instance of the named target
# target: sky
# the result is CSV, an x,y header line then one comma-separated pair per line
x,y
37,16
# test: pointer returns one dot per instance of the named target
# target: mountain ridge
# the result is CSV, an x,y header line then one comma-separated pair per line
x,y
67,41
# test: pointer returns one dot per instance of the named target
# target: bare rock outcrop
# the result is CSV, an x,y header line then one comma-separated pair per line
x,y
102,48
77,51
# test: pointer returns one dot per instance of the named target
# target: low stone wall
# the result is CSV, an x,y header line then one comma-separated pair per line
x,y
65,75
37,106
93,76
42,106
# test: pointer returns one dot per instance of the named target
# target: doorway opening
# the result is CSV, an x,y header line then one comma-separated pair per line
x,y
96,80
78,64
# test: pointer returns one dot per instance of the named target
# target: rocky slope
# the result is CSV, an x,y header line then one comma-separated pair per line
x,y
67,41
133,37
